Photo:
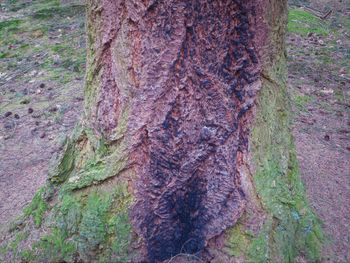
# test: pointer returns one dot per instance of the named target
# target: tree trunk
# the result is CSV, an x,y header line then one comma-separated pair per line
x,y
185,152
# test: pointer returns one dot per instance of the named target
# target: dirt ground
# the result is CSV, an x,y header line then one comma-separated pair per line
x,y
42,60
320,87
42,56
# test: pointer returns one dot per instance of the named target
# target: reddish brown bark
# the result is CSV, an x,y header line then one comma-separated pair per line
x,y
188,78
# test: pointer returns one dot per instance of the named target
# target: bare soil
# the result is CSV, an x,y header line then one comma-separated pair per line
x,y
41,94
320,86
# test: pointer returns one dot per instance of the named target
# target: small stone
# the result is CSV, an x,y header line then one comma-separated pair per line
x,y
16,116
327,137
8,113
42,135
327,91
30,110
42,85
37,123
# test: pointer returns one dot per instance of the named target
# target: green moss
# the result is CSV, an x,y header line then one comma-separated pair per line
x,y
27,256
91,173
43,18
99,167
20,236
291,228
15,5
3,249
105,226
60,48
50,9
45,9
94,225
301,101
339,95
238,241
119,224
55,247
12,246
121,129
63,165
37,208
10,25
309,235
302,22
68,213
103,148
4,55
259,249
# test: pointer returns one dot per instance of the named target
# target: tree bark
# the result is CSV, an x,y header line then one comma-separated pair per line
x,y
185,152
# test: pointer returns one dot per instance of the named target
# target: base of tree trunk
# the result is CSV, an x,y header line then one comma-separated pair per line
x,y
205,172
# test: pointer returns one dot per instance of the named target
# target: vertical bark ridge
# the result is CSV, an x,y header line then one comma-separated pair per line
x,y
198,77
184,76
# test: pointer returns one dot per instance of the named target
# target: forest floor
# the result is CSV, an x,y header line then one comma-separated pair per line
x,y
319,80
42,57
42,64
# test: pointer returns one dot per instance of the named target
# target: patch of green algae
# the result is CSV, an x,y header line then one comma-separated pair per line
x,y
36,208
291,228
91,224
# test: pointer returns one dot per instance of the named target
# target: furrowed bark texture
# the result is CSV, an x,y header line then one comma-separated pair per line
x,y
185,147
187,73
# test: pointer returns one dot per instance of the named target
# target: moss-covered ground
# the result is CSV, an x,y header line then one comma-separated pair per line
x,y
42,64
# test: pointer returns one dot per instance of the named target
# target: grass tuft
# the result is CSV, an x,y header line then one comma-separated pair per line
x,y
302,23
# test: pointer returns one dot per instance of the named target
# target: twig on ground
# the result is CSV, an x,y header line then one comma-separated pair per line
x,y
319,14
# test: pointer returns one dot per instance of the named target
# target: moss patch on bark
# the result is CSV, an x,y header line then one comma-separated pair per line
x,y
80,222
291,228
